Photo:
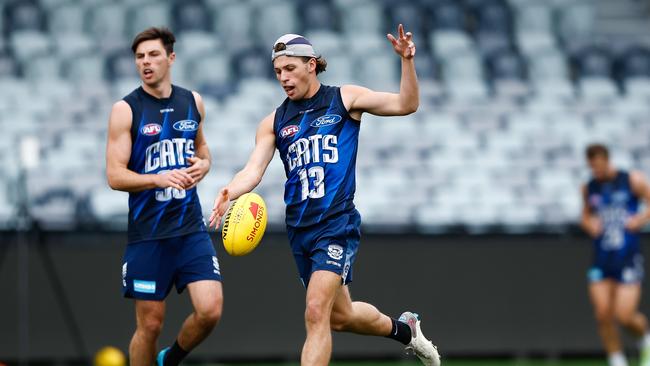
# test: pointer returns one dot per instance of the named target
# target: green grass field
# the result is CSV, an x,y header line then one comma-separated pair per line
x,y
457,362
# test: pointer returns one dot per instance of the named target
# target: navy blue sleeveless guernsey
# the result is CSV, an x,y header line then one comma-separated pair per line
x,y
317,140
614,202
162,133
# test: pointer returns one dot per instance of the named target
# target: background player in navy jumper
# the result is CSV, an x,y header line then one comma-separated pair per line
x,y
156,151
612,218
316,132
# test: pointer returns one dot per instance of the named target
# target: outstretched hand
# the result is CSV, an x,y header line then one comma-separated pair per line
x,y
403,45
221,204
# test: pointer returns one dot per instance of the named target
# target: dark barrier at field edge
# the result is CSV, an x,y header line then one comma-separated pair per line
x,y
477,295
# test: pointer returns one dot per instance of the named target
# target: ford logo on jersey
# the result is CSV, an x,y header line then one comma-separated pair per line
x,y
186,125
326,120
151,129
289,131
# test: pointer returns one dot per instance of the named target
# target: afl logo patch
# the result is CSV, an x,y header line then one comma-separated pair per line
x,y
289,131
151,129
186,125
326,120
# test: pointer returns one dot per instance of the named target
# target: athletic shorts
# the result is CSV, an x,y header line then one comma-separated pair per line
x,y
151,267
631,272
331,245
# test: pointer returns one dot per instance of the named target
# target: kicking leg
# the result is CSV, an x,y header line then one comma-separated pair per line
x,y
321,292
363,318
149,320
359,317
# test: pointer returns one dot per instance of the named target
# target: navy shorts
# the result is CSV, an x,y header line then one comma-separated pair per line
x,y
331,245
151,267
630,272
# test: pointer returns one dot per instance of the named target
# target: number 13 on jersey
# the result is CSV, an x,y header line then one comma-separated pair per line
x,y
316,176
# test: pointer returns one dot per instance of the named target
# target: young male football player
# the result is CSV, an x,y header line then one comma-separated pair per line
x,y
156,151
316,132
611,216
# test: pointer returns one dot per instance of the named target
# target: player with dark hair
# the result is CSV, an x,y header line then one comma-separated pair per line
x,y
316,131
156,151
611,216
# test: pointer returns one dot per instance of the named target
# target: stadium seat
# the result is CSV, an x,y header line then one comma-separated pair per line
x,y
575,20
593,62
8,66
412,16
69,18
597,88
530,42
447,16
142,16
70,45
506,65
23,16
326,43
535,18
340,70
275,19
363,17
121,64
28,44
109,207
86,69
253,63
233,25
44,67
493,16
379,72
108,21
449,42
318,16
190,16
195,43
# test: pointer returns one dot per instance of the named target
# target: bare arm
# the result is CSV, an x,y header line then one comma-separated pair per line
x,y
589,223
118,153
250,176
641,189
201,161
358,99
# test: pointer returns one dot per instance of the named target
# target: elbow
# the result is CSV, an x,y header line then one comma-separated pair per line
x,y
410,108
113,182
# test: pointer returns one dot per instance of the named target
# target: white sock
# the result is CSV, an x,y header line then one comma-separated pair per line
x,y
617,359
644,341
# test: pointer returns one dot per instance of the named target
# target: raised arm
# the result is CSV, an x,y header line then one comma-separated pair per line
x,y
641,189
250,176
359,99
118,153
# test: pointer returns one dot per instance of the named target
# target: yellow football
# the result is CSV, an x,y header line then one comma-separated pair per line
x,y
244,224
109,356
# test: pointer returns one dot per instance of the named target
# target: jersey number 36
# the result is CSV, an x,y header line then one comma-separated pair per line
x,y
168,193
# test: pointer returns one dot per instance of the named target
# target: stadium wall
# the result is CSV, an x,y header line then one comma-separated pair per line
x,y
477,295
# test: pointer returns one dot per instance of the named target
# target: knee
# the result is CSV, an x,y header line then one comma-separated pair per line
x,y
151,326
604,316
316,312
339,321
625,317
208,318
